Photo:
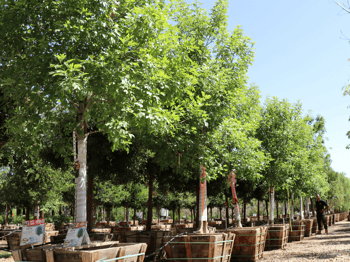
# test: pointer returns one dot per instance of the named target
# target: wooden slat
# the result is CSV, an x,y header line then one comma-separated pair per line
x,y
121,254
188,248
142,250
17,255
49,256
223,247
86,257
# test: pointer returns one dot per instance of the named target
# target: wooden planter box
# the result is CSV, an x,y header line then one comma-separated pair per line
x,y
202,247
49,227
254,219
336,217
277,236
329,221
308,227
101,224
153,239
13,240
297,231
314,225
101,230
189,225
167,221
87,253
249,243
10,227
130,222
102,237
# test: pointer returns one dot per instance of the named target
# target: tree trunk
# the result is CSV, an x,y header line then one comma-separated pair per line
x,y
312,207
277,209
127,215
272,204
227,215
244,211
134,216
158,215
191,215
197,208
258,210
301,208
307,207
267,207
150,203
179,215
7,215
108,214
89,203
292,208
27,212
36,209
173,216
202,209
211,214
220,213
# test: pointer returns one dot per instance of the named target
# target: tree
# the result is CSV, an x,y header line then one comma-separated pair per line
x,y
119,64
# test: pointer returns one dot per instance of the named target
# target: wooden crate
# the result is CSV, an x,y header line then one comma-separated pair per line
x,y
101,230
277,236
314,225
10,227
204,247
297,231
249,243
130,222
167,221
308,227
153,239
330,223
189,225
161,227
13,240
102,237
49,234
101,224
336,218
49,227
88,253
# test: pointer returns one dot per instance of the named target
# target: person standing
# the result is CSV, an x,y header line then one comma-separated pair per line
x,y
321,207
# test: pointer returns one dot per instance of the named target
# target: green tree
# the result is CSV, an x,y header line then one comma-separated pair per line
x,y
119,64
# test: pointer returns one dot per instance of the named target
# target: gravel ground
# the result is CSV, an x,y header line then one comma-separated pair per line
x,y
332,247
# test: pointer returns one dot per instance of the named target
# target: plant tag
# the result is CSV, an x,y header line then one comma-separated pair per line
x,y
33,232
75,235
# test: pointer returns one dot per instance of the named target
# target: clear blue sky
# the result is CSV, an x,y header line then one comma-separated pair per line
x,y
301,54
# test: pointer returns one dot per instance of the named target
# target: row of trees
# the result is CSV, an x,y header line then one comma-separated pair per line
x,y
151,90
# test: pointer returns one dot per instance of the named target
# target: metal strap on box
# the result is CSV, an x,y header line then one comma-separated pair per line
x,y
118,258
198,258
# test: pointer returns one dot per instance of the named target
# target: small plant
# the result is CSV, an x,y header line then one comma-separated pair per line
x,y
39,230
80,233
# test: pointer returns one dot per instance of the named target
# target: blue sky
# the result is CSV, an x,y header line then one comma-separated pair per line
x,y
301,54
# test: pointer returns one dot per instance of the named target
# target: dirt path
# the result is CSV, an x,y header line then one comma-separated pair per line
x,y
332,247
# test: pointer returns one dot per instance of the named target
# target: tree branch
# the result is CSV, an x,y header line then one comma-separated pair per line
x,y
341,6
86,135
76,106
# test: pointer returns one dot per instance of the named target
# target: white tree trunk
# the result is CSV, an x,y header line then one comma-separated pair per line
x,y
272,205
301,208
203,211
80,181
307,203
292,208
